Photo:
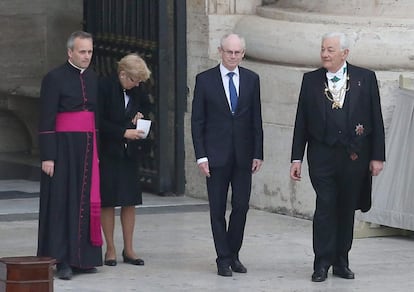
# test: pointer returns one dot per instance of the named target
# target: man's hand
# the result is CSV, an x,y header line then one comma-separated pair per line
x,y
204,168
375,166
256,165
48,167
295,170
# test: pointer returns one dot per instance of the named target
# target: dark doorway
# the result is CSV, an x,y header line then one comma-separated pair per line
x,y
156,30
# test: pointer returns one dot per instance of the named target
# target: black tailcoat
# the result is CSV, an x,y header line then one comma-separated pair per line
x,y
342,185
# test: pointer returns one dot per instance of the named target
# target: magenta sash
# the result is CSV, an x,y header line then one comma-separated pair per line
x,y
85,122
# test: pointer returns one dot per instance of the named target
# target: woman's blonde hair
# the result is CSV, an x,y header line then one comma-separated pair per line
x,y
135,67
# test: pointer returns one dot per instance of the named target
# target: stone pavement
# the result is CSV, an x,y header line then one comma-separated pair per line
x,y
173,237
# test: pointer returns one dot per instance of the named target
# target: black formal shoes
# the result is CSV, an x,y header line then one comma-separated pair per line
x,y
84,270
137,262
111,263
319,275
238,267
224,271
343,272
64,271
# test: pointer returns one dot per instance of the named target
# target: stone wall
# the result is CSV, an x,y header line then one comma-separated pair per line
x,y
32,41
207,21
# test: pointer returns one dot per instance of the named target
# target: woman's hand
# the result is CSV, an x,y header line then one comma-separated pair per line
x,y
133,134
137,117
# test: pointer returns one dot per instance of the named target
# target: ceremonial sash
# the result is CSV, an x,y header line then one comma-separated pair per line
x,y
84,121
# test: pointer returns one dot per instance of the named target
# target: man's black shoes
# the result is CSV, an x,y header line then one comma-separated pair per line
x,y
343,272
224,271
319,275
238,267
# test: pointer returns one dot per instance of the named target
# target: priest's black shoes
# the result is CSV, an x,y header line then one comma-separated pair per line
x,y
224,271
137,261
238,267
84,270
319,275
64,271
343,272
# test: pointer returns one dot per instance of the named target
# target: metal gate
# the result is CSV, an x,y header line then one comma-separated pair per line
x,y
156,30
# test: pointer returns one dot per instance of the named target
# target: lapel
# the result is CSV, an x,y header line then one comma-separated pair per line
x,y
131,102
244,84
118,94
354,89
243,88
221,94
320,92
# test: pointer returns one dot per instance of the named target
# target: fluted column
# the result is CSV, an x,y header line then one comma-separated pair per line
x,y
288,33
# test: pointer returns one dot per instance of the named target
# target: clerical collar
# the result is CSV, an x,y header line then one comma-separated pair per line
x,y
79,68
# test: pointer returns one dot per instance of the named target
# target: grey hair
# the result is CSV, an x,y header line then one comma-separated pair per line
x,y
242,41
77,34
343,40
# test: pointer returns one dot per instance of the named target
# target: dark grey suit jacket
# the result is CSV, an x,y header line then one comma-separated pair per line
x,y
216,132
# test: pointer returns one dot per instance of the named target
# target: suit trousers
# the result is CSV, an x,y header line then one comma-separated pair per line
x,y
228,239
337,181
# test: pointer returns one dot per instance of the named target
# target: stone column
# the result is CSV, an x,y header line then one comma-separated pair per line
x,y
283,41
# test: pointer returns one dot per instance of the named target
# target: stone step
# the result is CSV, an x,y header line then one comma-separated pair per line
x,y
299,15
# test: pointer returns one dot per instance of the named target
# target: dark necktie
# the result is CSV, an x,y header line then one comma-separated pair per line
x,y
233,92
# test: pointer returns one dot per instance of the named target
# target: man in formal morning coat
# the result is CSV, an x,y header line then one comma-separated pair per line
x,y
339,119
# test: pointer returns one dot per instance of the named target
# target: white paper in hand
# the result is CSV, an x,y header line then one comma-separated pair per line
x,y
144,125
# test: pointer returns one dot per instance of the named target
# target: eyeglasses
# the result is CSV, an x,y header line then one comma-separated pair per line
x,y
231,53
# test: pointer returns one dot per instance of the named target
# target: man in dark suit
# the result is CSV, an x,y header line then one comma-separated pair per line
x,y
339,118
227,135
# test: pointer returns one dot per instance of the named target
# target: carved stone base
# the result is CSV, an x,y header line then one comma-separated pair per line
x,y
365,229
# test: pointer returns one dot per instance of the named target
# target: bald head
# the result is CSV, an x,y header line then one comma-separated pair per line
x,y
232,48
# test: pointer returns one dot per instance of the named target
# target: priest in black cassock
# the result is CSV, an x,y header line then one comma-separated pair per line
x,y
69,216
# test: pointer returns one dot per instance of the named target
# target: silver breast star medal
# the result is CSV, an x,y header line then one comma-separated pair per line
x,y
359,129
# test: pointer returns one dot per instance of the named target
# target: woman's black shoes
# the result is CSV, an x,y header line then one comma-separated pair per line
x,y
137,262
111,263
128,260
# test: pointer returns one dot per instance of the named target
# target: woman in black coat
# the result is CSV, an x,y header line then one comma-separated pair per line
x,y
119,110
